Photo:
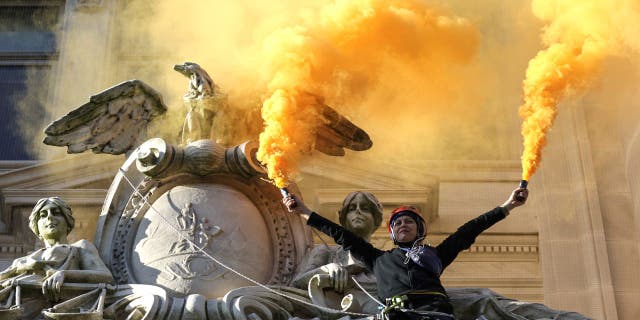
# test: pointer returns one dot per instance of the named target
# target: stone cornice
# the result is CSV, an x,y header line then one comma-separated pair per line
x,y
375,174
15,197
344,171
62,174
10,165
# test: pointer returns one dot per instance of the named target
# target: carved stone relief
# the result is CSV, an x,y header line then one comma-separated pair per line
x,y
190,224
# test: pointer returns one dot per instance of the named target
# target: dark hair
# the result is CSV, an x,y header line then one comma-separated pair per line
x,y
373,201
64,207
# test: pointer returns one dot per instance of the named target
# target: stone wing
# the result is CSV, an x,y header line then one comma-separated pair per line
x,y
337,133
113,121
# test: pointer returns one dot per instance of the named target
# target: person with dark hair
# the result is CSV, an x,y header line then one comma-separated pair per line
x,y
361,214
58,262
408,276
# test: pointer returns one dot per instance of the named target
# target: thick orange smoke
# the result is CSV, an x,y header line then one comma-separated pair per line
x,y
338,54
580,34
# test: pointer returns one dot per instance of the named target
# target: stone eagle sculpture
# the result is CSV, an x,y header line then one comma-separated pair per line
x,y
115,120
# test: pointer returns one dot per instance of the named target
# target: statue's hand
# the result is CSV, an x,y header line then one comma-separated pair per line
x,y
9,277
8,273
7,283
339,276
51,287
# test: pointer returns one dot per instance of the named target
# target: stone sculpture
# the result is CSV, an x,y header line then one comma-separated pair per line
x,y
203,101
172,208
116,120
361,213
189,229
113,121
44,272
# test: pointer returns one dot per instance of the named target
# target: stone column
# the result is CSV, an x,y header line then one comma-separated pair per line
x,y
574,257
84,46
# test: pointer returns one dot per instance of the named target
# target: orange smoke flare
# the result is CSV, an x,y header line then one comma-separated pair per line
x,y
579,36
337,54
285,138
549,77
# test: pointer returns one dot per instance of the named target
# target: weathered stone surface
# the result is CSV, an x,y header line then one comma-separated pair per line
x,y
189,222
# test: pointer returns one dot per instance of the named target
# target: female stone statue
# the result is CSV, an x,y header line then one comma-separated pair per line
x,y
58,262
361,213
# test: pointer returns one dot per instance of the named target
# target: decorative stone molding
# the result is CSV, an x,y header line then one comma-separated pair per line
x,y
13,197
9,165
503,249
11,249
81,5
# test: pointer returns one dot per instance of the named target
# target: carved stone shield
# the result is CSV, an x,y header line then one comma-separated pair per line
x,y
186,233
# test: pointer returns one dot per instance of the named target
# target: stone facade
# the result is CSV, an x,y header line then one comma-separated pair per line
x,y
574,246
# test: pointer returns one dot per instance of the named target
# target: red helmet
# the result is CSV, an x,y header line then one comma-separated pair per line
x,y
413,212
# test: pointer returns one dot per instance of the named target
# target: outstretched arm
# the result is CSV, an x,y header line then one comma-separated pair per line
x,y
359,248
466,235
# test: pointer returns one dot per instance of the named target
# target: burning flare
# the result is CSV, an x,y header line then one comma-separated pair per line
x,y
580,34
337,55
289,116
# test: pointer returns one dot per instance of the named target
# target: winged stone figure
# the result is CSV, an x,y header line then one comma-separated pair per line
x,y
115,120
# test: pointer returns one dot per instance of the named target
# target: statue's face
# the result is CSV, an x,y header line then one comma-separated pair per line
x,y
359,217
51,223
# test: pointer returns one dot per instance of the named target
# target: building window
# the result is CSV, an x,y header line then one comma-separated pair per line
x,y
28,48
21,91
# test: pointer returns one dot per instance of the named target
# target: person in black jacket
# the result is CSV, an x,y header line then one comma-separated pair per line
x,y
408,276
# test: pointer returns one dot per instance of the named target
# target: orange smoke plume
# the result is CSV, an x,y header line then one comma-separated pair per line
x,y
289,115
580,34
337,54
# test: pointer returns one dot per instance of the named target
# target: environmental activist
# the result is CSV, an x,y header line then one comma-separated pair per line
x,y
408,276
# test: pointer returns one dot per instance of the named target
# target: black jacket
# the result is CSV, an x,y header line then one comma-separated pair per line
x,y
393,276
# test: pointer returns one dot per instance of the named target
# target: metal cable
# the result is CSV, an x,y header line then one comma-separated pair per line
x,y
124,175
366,292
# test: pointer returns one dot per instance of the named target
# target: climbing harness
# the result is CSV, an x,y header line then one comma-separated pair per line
x,y
400,307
